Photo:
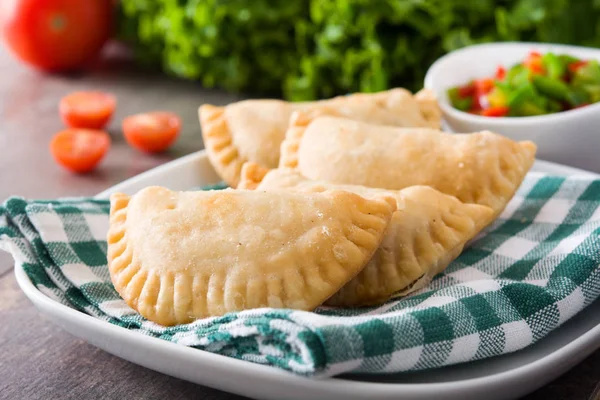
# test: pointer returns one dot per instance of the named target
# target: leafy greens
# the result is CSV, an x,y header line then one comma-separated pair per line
x,y
308,49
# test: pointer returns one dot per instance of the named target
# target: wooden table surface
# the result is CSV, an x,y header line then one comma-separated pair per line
x,y
37,359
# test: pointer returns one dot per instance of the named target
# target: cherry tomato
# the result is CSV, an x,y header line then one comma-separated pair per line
x,y
151,132
79,150
56,35
500,73
574,66
499,111
91,110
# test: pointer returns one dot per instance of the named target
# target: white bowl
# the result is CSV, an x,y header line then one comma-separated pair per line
x,y
570,137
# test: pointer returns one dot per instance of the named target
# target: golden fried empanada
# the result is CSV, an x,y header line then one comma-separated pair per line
x,y
426,233
179,256
253,130
430,108
483,168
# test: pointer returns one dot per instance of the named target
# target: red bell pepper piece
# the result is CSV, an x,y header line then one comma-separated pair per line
x,y
498,111
574,66
534,63
466,91
500,73
483,86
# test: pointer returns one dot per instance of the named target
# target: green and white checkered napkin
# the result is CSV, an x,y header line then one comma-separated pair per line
x,y
535,268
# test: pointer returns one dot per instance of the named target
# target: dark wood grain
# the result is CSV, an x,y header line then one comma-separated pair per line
x,y
37,359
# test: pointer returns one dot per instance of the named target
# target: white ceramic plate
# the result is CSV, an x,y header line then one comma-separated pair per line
x,y
504,377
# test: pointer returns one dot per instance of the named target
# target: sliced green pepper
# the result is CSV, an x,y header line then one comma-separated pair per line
x,y
463,104
517,75
567,59
541,101
593,92
554,106
529,109
554,66
589,73
577,97
551,87
521,95
504,86
525,101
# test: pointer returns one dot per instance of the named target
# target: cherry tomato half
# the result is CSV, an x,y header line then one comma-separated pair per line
x,y
151,132
91,110
56,35
79,150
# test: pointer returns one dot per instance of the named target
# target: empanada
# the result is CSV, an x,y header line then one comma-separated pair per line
x,y
179,256
253,130
483,168
430,108
426,233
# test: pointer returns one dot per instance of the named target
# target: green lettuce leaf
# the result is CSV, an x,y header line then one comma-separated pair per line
x,y
308,49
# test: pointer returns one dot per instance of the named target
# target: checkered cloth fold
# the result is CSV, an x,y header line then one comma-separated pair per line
x,y
536,267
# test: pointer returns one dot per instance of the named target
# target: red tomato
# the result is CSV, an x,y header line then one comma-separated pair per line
x,y
534,63
79,150
56,35
500,72
574,66
483,86
466,91
499,111
476,105
151,132
91,110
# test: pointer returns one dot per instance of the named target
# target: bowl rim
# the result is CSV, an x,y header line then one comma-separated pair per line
x,y
452,112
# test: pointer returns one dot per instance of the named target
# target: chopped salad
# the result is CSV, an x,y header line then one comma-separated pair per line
x,y
541,84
